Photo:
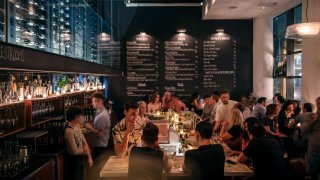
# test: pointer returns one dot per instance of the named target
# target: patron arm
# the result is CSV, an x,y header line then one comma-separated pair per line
x,y
121,148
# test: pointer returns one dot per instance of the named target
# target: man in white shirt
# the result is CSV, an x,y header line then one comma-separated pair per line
x,y
224,109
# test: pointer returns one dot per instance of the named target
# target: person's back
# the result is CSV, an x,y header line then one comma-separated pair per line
x,y
267,158
206,162
145,163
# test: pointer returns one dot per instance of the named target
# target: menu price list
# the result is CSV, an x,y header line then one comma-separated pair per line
x,y
181,56
219,62
110,52
142,65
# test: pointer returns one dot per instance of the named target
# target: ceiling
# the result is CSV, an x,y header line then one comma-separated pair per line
x,y
245,9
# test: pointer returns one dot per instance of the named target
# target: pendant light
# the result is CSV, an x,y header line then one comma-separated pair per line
x,y
300,30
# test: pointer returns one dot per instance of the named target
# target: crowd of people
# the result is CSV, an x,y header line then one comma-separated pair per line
x,y
277,137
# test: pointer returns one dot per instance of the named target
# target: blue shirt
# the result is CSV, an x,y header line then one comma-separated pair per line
x,y
102,122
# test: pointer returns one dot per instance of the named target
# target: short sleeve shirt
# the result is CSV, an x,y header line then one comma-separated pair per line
x,y
134,138
224,111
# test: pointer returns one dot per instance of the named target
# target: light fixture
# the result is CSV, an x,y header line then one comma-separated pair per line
x,y
298,31
181,30
142,33
220,31
104,37
306,29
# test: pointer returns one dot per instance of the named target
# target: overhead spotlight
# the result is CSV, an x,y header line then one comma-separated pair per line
x,y
181,30
220,31
142,33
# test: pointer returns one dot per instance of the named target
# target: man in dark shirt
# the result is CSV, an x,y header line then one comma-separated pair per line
x,y
265,153
206,162
148,162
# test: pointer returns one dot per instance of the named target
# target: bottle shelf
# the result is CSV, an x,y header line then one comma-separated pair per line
x,y
24,110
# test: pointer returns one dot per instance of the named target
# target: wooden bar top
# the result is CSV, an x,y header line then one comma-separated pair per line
x,y
118,167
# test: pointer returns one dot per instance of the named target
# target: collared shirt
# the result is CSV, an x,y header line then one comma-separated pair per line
x,y
119,130
259,111
101,122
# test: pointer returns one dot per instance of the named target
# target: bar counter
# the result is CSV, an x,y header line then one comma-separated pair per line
x,y
117,167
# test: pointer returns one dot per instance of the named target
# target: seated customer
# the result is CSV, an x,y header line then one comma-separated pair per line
x,y
206,162
177,105
128,131
207,109
77,148
265,153
231,131
148,162
270,121
143,111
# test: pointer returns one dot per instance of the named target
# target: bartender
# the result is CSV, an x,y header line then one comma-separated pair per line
x,y
127,133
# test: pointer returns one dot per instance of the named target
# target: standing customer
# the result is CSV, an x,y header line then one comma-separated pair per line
x,y
77,147
206,162
311,127
223,110
101,127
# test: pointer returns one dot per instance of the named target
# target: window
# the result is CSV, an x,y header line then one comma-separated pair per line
x,y
287,55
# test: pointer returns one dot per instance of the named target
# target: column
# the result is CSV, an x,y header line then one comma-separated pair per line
x,y
263,57
310,85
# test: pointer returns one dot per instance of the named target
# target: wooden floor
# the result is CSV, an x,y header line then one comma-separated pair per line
x,y
98,162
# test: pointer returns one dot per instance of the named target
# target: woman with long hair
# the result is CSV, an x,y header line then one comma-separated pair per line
x,y
270,121
231,131
155,104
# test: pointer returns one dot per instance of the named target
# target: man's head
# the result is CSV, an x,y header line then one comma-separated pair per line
x,y
281,99
224,96
131,111
74,114
206,99
256,130
150,134
214,99
204,130
263,101
142,107
288,106
98,100
307,107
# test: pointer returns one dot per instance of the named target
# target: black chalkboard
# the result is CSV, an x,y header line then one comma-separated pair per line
x,y
183,53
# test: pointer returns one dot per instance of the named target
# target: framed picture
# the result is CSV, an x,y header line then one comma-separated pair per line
x,y
163,136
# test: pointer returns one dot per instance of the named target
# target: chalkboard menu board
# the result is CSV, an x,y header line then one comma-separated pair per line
x,y
142,65
181,56
110,52
181,64
199,59
219,62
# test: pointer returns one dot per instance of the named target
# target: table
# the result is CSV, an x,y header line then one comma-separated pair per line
x,y
116,167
